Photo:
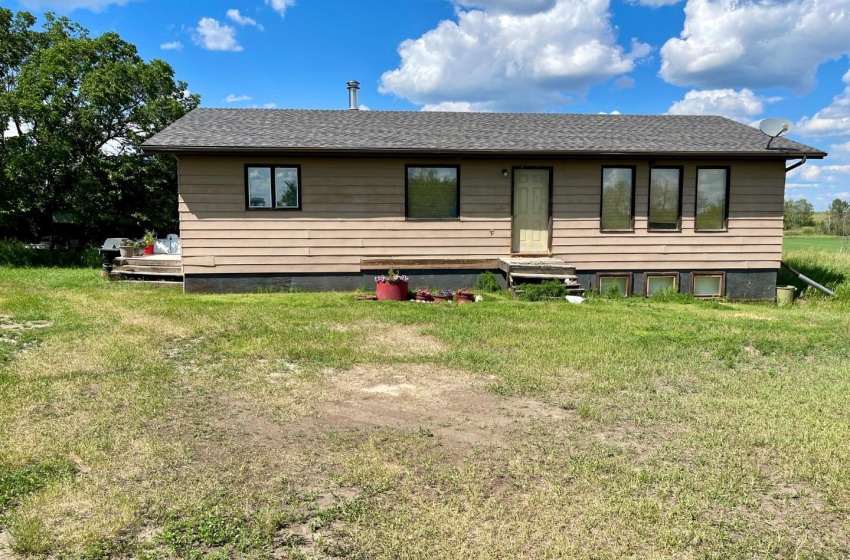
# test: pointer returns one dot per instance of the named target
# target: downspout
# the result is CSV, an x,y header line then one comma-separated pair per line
x,y
808,280
796,165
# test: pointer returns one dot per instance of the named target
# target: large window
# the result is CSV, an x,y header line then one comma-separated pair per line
x,y
665,198
712,198
433,192
273,187
618,198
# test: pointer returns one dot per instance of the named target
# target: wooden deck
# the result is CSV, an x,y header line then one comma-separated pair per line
x,y
542,268
161,268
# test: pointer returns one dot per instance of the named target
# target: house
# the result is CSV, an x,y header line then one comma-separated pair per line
x,y
324,200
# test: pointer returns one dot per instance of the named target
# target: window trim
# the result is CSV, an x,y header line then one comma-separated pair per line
x,y
407,166
631,227
648,275
678,227
720,274
626,275
271,167
725,226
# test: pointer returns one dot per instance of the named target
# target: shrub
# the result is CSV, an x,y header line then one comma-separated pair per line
x,y
487,283
544,290
16,254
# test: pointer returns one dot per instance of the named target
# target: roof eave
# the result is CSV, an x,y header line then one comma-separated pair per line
x,y
238,150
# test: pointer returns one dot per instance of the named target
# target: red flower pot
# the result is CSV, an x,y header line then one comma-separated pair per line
x,y
149,249
393,291
465,298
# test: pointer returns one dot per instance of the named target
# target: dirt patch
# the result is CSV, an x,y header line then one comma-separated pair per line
x,y
5,553
7,323
453,407
395,340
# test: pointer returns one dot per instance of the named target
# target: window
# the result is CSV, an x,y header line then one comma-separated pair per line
x,y
665,198
659,281
712,198
618,198
706,285
273,187
433,192
607,283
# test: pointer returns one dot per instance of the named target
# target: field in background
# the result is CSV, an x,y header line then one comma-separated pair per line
x,y
829,244
144,422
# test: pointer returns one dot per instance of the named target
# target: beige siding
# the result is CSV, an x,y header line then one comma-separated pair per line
x,y
353,209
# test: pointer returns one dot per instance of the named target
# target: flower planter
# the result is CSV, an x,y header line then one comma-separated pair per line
x,y
440,299
149,249
422,297
126,251
391,291
465,298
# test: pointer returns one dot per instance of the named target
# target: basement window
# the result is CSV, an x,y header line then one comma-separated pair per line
x,y
708,284
432,192
659,281
712,205
608,283
273,187
618,199
665,198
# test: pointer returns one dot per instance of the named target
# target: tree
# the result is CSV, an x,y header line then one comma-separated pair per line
x,y
798,214
80,108
837,221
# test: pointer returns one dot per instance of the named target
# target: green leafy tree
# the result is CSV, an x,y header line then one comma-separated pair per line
x,y
798,214
80,107
837,221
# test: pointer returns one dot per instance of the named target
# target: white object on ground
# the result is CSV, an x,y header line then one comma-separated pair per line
x,y
575,299
479,298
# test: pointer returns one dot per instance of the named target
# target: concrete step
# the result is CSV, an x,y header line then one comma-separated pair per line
x,y
150,262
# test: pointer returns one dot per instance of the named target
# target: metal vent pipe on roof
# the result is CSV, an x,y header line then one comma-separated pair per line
x,y
353,86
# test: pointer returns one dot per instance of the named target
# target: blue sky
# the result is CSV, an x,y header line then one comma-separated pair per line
x,y
744,59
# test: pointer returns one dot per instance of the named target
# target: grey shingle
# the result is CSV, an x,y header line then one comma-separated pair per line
x,y
286,130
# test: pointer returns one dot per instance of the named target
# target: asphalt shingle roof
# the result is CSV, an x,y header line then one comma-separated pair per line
x,y
285,130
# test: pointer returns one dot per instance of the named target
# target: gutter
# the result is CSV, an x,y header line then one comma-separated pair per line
x,y
419,152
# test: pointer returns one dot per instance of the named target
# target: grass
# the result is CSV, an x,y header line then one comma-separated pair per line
x,y
147,423
828,244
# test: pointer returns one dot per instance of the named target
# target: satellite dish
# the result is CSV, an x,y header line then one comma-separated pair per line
x,y
775,128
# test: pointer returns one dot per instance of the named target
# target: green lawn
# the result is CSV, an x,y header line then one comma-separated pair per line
x,y
142,422
827,244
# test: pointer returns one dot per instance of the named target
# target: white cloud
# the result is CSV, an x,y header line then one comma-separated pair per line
x,y
172,46
740,105
280,6
833,120
233,98
624,82
451,106
235,16
214,36
67,6
509,6
840,148
756,43
655,3
362,107
495,61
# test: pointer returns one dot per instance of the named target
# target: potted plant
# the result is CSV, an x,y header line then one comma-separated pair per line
x,y
149,240
443,295
391,286
465,295
423,294
127,248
